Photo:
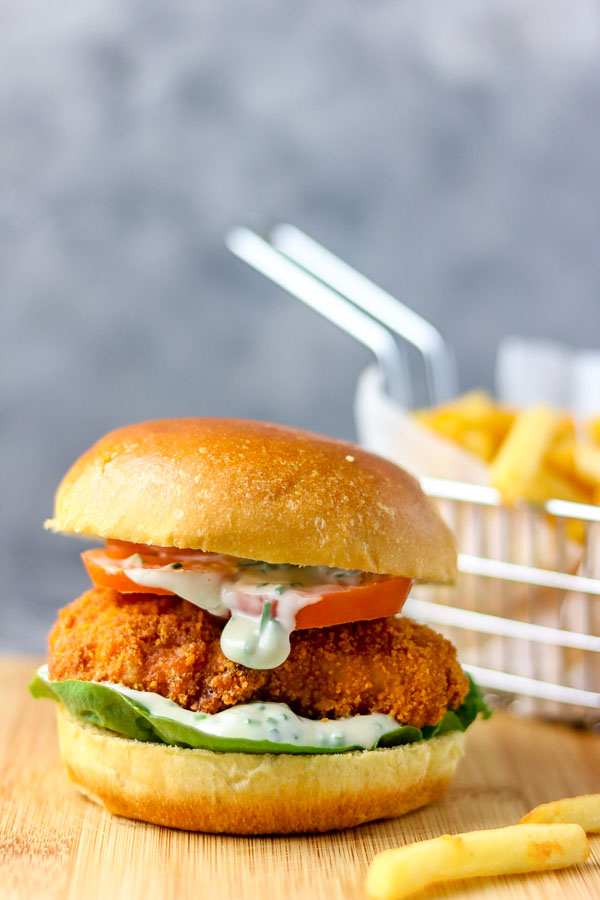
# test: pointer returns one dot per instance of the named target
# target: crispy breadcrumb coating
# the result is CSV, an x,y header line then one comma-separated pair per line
x,y
169,646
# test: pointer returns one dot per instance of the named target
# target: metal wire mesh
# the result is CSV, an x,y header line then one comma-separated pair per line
x,y
525,613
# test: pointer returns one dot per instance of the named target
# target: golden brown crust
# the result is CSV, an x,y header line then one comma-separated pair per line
x,y
166,645
255,490
245,793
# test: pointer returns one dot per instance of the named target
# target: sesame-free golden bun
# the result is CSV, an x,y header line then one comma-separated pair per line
x,y
249,793
258,491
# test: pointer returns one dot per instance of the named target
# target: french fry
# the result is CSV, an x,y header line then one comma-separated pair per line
x,y
481,443
444,422
535,455
546,484
584,811
561,457
478,410
473,420
523,450
594,429
565,428
586,458
395,874
473,402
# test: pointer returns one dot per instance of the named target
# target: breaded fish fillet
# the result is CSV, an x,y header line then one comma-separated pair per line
x,y
169,646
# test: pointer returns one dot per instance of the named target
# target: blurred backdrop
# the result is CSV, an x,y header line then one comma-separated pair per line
x,y
450,150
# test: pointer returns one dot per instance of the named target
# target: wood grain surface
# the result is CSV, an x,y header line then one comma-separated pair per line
x,y
56,844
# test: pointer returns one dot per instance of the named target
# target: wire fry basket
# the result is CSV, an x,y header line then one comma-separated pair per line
x,y
525,613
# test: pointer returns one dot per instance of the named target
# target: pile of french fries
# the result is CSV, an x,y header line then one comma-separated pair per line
x,y
534,454
551,836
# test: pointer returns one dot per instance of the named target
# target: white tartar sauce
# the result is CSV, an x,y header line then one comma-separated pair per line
x,y
262,598
268,722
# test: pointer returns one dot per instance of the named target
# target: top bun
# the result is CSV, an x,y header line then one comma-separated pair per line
x,y
255,490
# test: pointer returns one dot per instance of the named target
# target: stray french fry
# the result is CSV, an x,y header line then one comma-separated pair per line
x,y
584,811
522,451
395,874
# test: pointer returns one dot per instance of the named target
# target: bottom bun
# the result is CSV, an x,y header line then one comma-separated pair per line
x,y
250,793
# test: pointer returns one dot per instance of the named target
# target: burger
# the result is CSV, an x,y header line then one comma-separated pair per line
x,y
240,663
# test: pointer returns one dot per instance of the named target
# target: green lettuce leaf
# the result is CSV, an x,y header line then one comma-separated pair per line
x,y
100,705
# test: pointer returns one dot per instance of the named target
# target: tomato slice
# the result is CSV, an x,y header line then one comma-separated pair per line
x,y
356,604
104,570
96,561
331,604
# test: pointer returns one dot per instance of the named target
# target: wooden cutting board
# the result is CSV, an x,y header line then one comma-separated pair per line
x,y
56,844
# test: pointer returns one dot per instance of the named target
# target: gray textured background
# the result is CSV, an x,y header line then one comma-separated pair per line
x,y
450,150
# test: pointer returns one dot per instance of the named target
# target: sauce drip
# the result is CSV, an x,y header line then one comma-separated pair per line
x,y
262,598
